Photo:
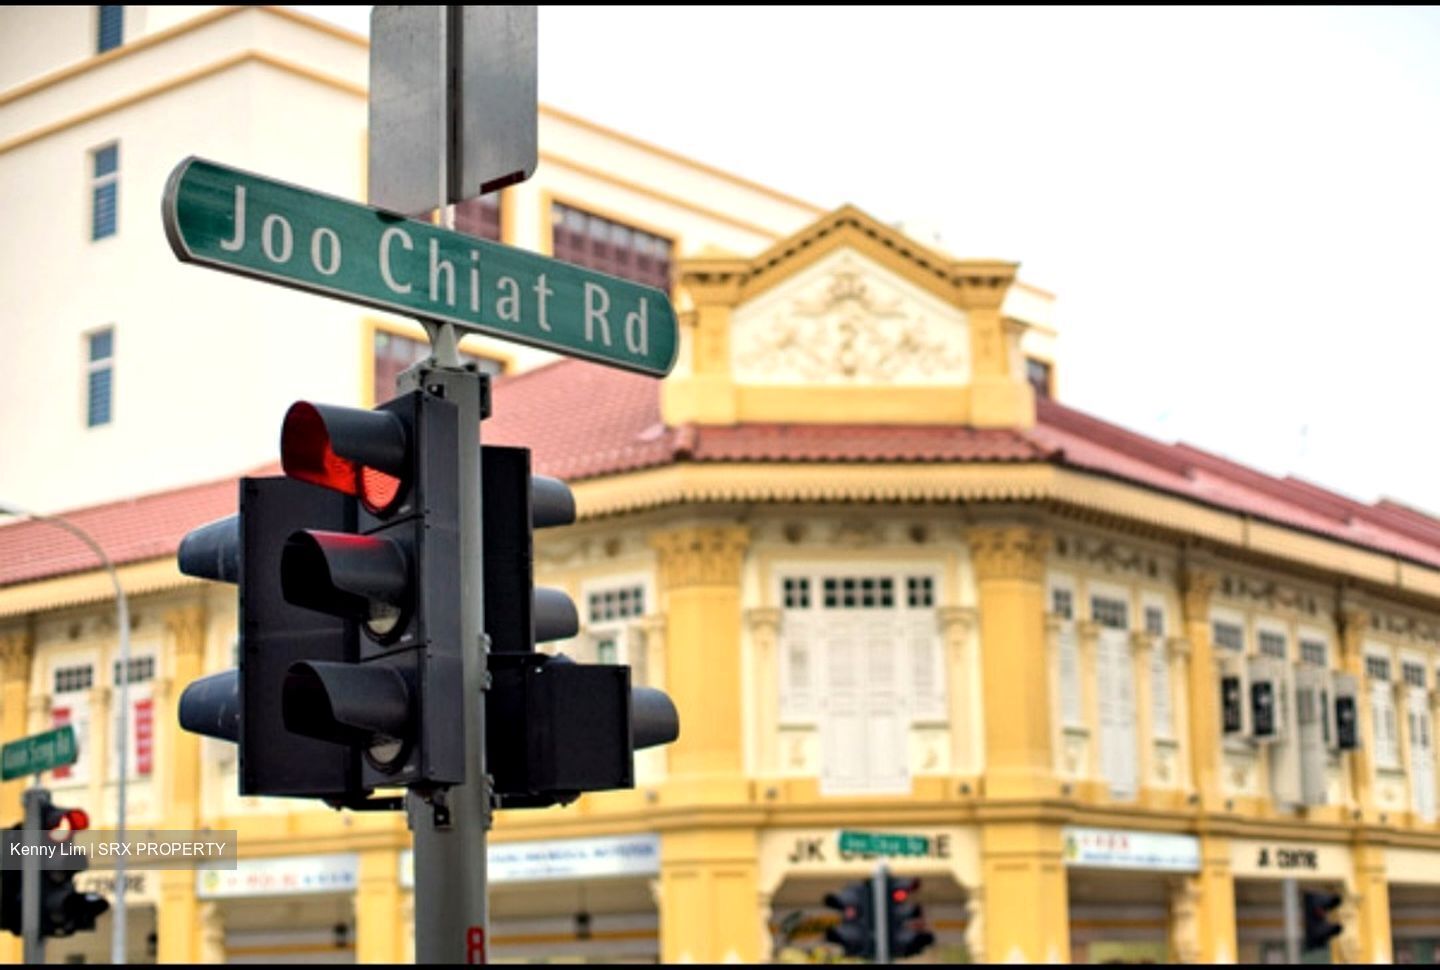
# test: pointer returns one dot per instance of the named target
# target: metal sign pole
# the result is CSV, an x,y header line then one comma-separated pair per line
x,y
882,925
1290,893
451,911
34,947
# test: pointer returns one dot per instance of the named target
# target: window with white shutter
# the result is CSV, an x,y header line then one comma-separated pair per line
x,y
1162,711
611,611
1382,712
140,726
1115,691
1422,753
1067,648
860,656
71,684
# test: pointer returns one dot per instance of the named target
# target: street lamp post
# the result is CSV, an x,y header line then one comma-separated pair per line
x,y
122,619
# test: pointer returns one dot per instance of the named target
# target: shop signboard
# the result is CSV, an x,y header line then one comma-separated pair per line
x,y
283,876
1125,849
626,855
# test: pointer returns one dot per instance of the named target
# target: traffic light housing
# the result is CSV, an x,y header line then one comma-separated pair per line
x,y
1319,931
855,933
63,910
349,574
553,728
908,936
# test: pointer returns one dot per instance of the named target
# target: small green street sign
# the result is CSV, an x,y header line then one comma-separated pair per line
x,y
242,223
39,752
877,843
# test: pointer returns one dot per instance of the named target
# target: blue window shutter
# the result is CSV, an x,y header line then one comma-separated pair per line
x,y
112,28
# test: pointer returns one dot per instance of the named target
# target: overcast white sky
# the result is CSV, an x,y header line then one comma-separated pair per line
x,y
1238,209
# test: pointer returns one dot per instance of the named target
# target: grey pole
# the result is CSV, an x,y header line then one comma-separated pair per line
x,y
882,925
1290,899
449,830
34,947
122,619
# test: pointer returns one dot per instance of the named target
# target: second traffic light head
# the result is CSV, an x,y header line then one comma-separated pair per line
x,y
358,577
359,705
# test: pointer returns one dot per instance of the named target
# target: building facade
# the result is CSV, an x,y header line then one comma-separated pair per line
x,y
891,583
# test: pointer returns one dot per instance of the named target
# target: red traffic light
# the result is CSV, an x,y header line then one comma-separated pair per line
x,y
62,823
900,895
359,453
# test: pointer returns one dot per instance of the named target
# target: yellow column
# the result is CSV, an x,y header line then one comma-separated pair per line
x,y
710,897
1214,886
708,876
1365,910
1010,569
378,936
1353,624
1026,900
16,649
178,923
1197,586
700,587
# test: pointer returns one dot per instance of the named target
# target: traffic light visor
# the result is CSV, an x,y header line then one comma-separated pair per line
x,y
357,577
359,453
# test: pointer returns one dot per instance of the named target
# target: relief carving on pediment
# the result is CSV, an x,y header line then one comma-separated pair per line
x,y
848,330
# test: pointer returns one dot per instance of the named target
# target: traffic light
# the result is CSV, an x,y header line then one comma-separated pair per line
x,y
855,933
396,576
553,728
908,936
349,573
63,910
1319,931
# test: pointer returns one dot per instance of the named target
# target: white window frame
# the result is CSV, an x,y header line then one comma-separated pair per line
x,y
1069,677
1122,739
139,690
82,717
1385,735
620,630
1160,675
800,704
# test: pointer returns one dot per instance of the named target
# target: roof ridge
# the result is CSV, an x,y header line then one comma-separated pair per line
x,y
1131,443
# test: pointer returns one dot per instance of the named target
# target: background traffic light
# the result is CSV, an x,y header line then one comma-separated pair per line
x,y
1319,930
63,910
855,933
908,936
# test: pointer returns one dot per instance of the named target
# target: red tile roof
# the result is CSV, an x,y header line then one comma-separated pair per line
x,y
583,421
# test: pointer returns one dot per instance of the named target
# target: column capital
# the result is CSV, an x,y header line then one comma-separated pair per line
x,y
764,619
186,625
651,625
701,555
1140,641
1197,586
1089,632
1009,552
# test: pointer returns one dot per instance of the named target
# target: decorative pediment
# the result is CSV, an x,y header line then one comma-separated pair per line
x,y
847,320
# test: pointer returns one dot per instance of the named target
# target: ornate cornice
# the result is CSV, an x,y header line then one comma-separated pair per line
x,y
1110,555
1009,552
1270,594
701,556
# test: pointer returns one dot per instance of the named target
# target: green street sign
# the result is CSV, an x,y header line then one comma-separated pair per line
x,y
876,843
39,752
242,223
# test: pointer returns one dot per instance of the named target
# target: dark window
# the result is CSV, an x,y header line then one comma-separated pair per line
x,y
394,353
1273,644
100,370
105,192
617,604
610,247
1228,635
797,594
141,669
1037,372
1154,621
1109,613
69,679
864,592
111,29
1062,603
1313,652
479,217
920,592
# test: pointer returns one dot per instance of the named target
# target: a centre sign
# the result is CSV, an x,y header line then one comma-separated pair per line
x,y
242,223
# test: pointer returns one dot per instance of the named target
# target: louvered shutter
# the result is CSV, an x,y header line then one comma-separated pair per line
x,y
842,730
1422,753
927,672
887,720
797,666
1071,709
